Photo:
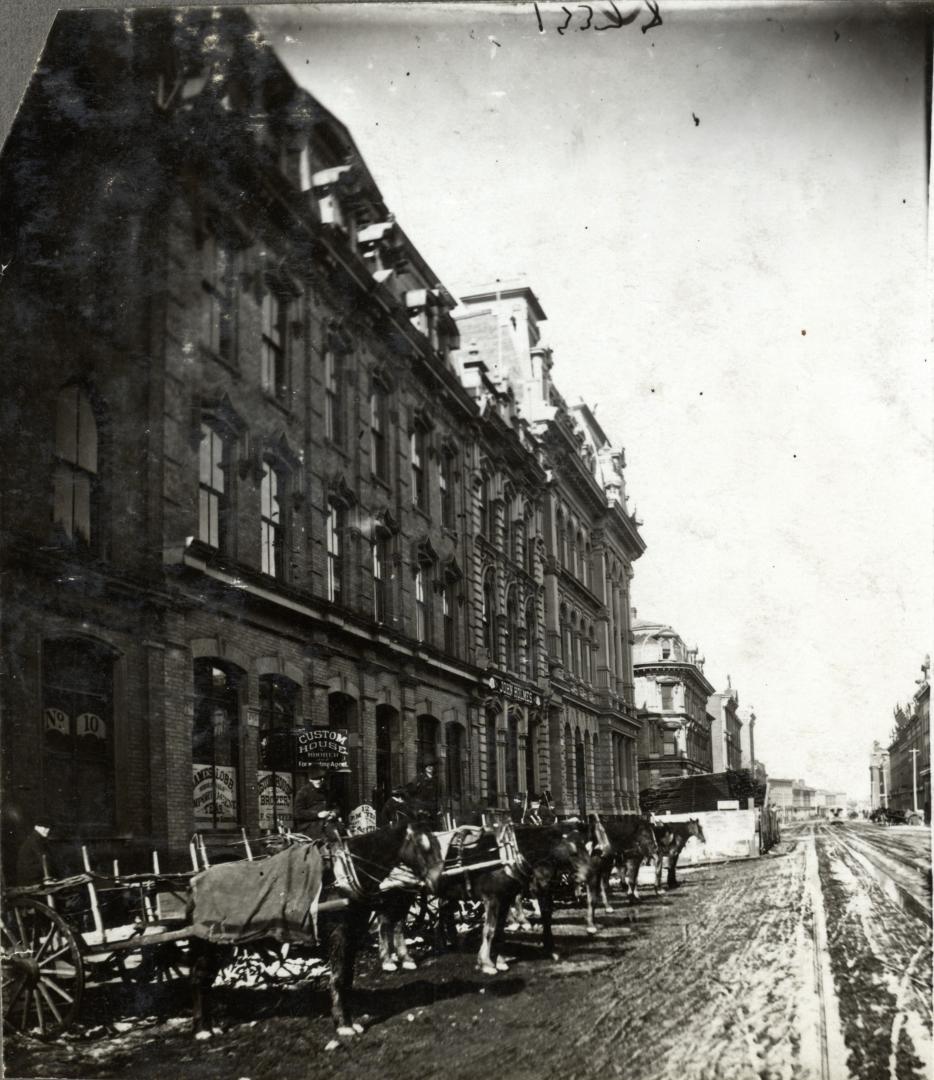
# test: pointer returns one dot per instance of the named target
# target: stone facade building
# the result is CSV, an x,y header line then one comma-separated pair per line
x,y
725,730
251,485
672,692
589,542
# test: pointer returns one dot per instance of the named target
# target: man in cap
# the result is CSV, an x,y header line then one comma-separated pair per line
x,y
312,808
34,861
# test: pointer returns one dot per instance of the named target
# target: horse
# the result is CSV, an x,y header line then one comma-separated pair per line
x,y
671,837
545,853
626,844
298,908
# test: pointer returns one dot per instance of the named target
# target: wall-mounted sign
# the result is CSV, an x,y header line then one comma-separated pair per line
x,y
274,791
325,748
215,794
56,720
511,690
727,804
361,820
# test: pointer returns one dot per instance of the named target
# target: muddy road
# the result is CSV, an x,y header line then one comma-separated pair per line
x,y
795,965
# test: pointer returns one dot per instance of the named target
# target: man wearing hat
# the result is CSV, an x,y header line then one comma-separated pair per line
x,y
34,861
312,807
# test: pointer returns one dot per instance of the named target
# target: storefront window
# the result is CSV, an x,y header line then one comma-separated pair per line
x,y
215,745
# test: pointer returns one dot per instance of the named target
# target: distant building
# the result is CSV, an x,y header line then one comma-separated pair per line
x,y
910,751
725,730
747,738
781,796
878,776
672,690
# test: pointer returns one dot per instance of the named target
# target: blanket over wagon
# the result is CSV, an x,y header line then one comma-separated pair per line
x,y
275,897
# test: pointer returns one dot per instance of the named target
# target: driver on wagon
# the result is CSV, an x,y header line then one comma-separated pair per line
x,y
314,814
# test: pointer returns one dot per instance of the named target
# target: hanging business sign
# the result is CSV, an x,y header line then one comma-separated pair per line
x,y
274,791
512,691
323,748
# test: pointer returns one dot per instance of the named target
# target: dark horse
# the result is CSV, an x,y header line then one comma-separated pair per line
x,y
545,854
344,905
671,837
626,844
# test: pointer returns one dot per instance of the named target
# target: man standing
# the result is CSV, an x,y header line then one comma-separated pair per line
x,y
34,860
423,791
312,809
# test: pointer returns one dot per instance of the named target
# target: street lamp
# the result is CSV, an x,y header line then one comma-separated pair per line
x,y
914,777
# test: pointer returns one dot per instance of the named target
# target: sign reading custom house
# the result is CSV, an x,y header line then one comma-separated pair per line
x,y
283,749
511,690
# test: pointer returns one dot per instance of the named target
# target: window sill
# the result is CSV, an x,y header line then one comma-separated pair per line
x,y
380,481
273,399
230,365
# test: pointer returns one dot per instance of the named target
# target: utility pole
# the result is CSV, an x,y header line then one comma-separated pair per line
x,y
914,778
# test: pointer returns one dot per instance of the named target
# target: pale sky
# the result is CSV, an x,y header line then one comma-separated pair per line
x,y
744,299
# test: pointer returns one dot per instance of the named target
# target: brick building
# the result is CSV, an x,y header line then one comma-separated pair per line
x,y
672,691
251,486
910,752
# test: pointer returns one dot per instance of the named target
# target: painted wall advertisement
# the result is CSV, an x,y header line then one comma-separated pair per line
x,y
215,795
275,790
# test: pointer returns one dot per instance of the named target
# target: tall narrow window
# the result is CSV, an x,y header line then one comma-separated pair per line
x,y
562,540
381,607
492,781
418,466
272,521
275,338
456,758
214,500
335,542
446,483
531,756
215,744
489,617
512,631
426,742
379,456
76,478
509,525
531,637
486,525
77,701
333,398
423,603
450,623
275,780
220,286
667,696
512,753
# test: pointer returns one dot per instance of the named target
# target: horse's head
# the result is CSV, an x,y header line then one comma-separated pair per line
x,y
695,829
574,850
421,854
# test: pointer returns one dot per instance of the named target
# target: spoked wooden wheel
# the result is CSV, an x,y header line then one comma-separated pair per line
x,y
43,973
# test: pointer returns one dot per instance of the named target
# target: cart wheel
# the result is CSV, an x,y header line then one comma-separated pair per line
x,y
43,973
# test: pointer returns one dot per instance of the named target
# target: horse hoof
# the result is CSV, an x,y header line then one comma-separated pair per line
x,y
592,930
501,965
487,969
556,956
390,965
409,965
358,1028
346,1032
608,910
203,1034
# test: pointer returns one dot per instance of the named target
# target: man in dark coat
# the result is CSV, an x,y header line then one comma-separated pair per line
x,y
312,809
30,869
423,791
396,808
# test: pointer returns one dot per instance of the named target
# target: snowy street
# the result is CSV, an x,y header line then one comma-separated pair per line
x,y
803,963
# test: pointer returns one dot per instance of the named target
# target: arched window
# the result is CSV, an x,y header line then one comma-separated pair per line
x,y
78,736
426,747
273,520
275,779
489,616
531,638
455,765
75,502
512,631
334,528
446,484
379,432
512,753
333,397
388,767
492,781
215,744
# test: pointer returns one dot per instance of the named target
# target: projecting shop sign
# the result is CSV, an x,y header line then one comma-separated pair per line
x,y
512,690
325,748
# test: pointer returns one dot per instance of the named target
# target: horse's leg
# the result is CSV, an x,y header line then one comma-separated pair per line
x,y
492,903
340,960
606,868
499,935
204,966
672,865
388,927
631,866
658,873
590,891
547,903
400,949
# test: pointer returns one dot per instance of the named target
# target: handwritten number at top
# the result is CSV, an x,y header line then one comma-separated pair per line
x,y
615,21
